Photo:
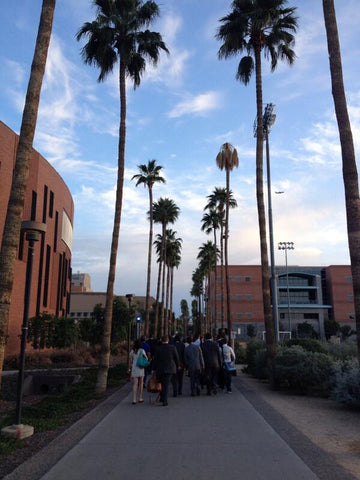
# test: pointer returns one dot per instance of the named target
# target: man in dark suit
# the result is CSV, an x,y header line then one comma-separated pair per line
x,y
212,359
165,364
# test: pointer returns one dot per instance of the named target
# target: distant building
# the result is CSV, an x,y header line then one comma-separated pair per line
x,y
305,294
48,200
80,282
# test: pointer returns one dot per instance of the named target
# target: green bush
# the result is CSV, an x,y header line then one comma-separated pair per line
x,y
240,353
303,371
341,351
252,349
309,344
259,368
346,382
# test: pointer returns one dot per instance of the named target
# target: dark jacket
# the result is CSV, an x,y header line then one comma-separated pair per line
x,y
180,348
211,354
166,359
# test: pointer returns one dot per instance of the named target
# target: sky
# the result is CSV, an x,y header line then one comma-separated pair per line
x,y
182,113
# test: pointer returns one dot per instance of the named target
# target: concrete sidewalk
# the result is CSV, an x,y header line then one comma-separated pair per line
x,y
222,436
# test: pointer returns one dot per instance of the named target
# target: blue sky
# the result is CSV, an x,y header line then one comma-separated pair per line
x,y
181,114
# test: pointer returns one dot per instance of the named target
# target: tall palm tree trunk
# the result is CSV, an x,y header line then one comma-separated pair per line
x,y
104,360
163,276
15,209
215,283
227,287
166,313
148,280
222,274
171,296
269,327
157,332
350,174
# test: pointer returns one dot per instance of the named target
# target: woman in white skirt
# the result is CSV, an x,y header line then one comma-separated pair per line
x,y
137,373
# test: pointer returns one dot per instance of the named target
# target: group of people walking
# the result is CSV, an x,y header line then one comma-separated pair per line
x,y
208,363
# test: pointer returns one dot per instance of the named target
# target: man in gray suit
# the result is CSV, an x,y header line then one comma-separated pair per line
x,y
194,362
165,364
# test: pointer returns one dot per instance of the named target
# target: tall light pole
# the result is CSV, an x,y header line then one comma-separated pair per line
x,y
32,231
287,246
268,121
129,297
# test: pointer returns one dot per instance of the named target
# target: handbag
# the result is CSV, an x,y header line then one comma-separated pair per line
x,y
142,361
229,367
153,385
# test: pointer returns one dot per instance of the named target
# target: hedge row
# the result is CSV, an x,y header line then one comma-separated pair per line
x,y
310,367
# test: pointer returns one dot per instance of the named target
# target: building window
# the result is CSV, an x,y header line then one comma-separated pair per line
x,y
352,316
47,275
248,296
218,296
247,279
239,315
51,204
249,315
78,314
238,278
348,279
238,297
33,206
350,297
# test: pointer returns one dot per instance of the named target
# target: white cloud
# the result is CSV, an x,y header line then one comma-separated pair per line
x,y
198,105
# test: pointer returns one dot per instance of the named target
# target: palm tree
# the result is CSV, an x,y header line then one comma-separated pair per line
x,y
350,174
15,208
208,255
165,211
254,27
118,34
172,260
218,200
197,291
227,159
210,223
148,176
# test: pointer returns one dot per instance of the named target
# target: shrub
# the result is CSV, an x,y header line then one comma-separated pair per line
x,y
303,371
309,344
346,382
341,351
252,349
240,353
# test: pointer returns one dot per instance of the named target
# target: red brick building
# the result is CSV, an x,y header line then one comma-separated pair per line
x,y
48,200
309,294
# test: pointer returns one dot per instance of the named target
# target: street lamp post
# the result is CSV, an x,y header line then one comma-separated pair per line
x,y
268,121
32,231
129,297
287,246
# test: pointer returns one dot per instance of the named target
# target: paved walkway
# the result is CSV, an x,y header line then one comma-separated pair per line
x,y
219,437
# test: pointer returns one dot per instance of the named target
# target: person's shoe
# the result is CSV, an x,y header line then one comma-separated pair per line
x,y
229,391
175,395
134,403
165,404
214,391
193,394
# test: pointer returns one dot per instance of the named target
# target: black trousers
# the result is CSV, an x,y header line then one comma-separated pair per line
x,y
177,382
164,379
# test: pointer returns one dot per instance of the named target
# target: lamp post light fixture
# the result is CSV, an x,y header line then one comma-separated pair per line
x,y
32,231
287,246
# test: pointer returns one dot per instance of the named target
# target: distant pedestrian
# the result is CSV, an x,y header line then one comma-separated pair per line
x,y
213,363
177,378
228,357
137,373
194,362
165,364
